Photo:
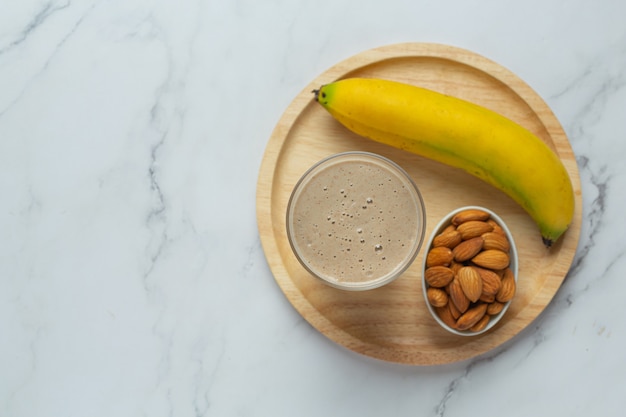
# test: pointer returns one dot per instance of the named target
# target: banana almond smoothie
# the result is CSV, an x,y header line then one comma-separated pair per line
x,y
356,220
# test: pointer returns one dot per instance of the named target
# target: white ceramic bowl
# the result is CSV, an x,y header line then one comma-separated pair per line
x,y
513,265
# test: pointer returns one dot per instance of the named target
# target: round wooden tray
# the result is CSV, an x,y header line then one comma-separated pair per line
x,y
392,323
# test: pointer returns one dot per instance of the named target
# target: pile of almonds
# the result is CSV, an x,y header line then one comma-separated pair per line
x,y
467,271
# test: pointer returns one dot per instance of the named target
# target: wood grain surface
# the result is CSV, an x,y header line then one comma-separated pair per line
x,y
392,323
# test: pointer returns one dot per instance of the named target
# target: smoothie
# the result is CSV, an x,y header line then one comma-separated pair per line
x,y
356,220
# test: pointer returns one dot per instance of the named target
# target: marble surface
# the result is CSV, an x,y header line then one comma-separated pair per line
x,y
132,278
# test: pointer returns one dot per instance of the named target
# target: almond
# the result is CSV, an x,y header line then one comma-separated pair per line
x,y
449,228
471,283
454,311
491,259
496,227
445,316
437,297
482,323
455,266
507,291
457,296
469,215
473,228
471,317
439,276
491,281
487,298
447,239
466,250
494,308
494,240
439,256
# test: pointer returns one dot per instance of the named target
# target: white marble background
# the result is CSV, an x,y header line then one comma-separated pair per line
x,y
132,281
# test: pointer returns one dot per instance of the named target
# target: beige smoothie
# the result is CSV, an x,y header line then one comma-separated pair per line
x,y
356,220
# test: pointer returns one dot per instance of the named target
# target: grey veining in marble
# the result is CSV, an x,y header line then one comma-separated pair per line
x,y
132,278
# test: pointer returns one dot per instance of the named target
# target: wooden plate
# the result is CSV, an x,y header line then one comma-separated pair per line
x,y
392,323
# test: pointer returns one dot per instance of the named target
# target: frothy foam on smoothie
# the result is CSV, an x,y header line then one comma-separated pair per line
x,y
355,220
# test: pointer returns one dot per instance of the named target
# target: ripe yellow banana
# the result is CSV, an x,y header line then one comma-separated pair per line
x,y
460,134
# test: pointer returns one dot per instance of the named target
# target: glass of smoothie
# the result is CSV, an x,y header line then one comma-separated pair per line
x,y
356,220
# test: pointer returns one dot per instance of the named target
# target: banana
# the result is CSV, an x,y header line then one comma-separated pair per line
x,y
460,134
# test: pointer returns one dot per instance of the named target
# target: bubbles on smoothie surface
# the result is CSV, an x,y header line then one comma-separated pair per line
x,y
359,231
350,214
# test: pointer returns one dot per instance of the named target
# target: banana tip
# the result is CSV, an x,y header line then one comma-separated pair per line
x,y
319,93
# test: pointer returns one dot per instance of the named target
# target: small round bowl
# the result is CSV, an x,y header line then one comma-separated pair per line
x,y
355,220
513,265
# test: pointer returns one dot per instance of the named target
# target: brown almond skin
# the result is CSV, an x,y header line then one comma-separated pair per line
x,y
469,215
471,282
447,239
473,228
457,296
482,323
449,228
496,227
508,272
491,281
445,316
466,250
439,276
454,311
507,291
471,317
494,240
494,308
439,256
487,298
492,259
437,297
455,266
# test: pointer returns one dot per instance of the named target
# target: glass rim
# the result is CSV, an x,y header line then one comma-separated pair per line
x,y
413,191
